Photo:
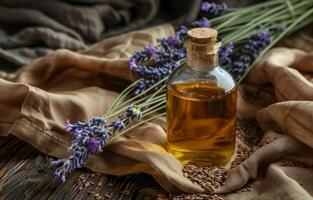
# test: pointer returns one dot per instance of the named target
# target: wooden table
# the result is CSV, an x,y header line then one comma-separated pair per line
x,y
25,173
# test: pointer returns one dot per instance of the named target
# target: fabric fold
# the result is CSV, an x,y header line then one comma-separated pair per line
x,y
31,29
289,72
251,168
77,86
146,151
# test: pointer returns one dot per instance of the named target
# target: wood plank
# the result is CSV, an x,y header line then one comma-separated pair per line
x,y
25,173
8,151
4,140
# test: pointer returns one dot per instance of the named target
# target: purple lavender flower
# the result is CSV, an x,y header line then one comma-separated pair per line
x,y
242,59
68,165
133,112
277,29
117,125
168,53
94,145
88,137
213,9
225,55
61,172
172,40
150,49
202,22
97,121
206,6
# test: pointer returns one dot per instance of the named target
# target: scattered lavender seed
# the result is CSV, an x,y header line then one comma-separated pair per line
x,y
249,132
87,184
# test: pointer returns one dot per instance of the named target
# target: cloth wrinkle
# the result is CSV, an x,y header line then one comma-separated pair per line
x,y
30,29
77,86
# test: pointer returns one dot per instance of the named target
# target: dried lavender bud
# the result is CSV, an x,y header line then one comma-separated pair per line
x,y
117,125
276,29
213,9
168,53
225,55
89,138
94,145
202,22
244,57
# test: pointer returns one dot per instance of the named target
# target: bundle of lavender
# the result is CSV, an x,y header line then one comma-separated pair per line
x,y
246,33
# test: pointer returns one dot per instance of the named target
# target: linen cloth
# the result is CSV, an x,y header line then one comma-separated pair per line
x,y
36,102
33,28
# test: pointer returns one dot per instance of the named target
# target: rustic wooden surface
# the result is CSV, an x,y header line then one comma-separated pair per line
x,y
25,173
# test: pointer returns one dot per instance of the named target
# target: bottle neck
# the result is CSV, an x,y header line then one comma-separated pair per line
x,y
202,55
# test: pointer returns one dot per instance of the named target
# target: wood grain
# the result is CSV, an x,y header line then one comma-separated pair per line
x,y
25,173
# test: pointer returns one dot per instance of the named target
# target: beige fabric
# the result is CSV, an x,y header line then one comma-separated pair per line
x,y
289,72
65,85
278,181
36,101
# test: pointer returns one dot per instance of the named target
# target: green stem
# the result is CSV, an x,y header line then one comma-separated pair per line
x,y
274,15
156,93
158,109
122,95
143,93
155,100
134,126
242,19
246,10
226,22
251,25
288,30
155,106
121,108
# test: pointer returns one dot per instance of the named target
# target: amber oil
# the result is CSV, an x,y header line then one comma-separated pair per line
x,y
201,113
201,123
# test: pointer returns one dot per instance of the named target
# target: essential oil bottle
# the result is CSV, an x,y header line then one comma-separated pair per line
x,y
201,104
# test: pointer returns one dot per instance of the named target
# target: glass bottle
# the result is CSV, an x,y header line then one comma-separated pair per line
x,y
201,104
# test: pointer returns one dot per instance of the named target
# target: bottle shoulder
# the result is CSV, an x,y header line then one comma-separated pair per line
x,y
214,76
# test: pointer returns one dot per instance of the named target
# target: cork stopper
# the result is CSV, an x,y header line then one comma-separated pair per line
x,y
202,47
203,35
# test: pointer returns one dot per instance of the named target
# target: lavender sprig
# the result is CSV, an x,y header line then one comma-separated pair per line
x,y
213,9
248,52
90,137
171,50
168,54
225,53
